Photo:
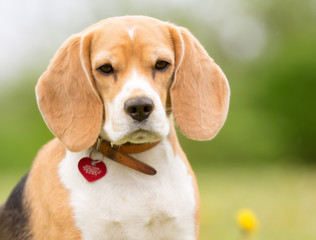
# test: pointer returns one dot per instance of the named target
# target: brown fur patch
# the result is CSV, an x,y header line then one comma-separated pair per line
x,y
67,97
126,55
200,92
51,216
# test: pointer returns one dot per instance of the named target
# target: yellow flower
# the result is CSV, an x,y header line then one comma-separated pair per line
x,y
247,220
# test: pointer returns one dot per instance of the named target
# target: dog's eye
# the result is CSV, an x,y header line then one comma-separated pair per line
x,y
106,69
161,65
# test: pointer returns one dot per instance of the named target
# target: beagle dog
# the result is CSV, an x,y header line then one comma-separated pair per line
x,y
115,170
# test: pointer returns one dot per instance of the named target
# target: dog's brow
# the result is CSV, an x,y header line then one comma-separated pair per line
x,y
162,54
102,57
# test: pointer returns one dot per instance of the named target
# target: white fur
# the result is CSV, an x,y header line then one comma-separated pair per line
x,y
131,33
119,125
128,205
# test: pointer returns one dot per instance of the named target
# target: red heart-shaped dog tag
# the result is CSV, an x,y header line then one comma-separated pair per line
x,y
91,170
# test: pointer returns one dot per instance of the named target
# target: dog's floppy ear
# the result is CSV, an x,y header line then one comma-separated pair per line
x,y
200,92
67,96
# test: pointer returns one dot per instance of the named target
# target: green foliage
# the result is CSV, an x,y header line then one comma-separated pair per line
x,y
282,199
286,94
22,128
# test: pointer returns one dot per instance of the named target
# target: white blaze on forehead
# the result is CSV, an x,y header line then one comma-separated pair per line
x,y
131,32
138,82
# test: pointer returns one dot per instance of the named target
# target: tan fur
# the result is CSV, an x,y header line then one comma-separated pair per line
x,y
128,55
67,97
51,216
200,91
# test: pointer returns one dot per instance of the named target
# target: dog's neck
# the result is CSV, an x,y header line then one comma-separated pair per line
x,y
120,154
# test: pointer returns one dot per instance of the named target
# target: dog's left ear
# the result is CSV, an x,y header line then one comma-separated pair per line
x,y
67,96
200,91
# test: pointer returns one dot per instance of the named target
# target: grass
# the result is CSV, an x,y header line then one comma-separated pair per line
x,y
283,199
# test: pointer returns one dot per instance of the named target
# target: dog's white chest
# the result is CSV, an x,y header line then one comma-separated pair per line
x,y
127,205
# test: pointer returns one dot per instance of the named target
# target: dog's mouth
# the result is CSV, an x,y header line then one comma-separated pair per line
x,y
123,131
139,136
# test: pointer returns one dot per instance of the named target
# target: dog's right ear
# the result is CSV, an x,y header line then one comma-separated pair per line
x,y
67,96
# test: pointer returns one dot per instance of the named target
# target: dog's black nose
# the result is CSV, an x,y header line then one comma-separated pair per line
x,y
139,108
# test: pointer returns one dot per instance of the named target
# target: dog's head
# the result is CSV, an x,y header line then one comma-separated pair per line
x,y
123,77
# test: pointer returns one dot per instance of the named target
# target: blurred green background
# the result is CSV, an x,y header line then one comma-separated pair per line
x,y
263,158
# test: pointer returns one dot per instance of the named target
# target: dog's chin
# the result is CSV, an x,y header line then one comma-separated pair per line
x,y
139,136
136,137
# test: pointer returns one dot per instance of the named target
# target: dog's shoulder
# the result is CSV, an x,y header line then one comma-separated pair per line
x,y
14,222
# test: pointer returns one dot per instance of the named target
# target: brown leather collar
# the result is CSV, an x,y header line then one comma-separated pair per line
x,y
119,153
